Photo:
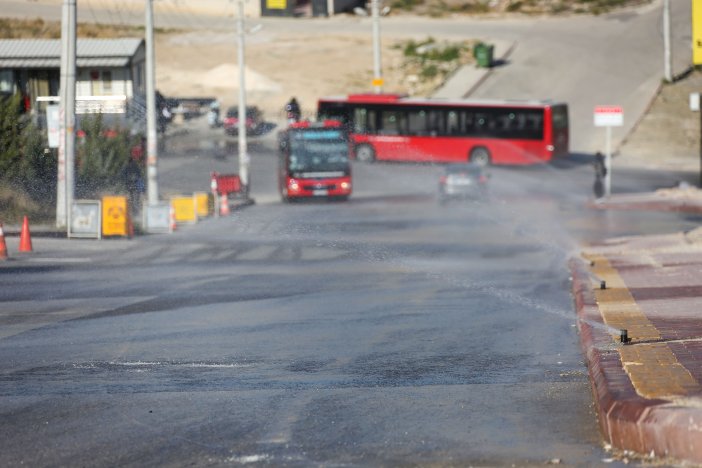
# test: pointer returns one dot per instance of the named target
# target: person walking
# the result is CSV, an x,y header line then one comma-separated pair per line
x,y
600,174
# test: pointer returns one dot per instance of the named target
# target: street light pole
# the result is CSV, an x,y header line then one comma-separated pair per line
x,y
151,132
67,116
377,72
667,55
243,153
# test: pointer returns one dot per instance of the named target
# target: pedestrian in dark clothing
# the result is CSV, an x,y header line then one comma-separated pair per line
x,y
292,110
600,174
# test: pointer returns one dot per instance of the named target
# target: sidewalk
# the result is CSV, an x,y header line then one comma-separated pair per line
x,y
647,392
467,78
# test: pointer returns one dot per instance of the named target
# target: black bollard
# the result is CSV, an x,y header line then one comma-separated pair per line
x,y
624,336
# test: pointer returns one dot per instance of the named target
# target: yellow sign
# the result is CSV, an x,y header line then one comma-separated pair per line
x,y
697,32
115,216
202,203
185,209
377,82
276,4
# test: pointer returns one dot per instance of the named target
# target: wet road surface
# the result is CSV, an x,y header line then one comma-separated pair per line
x,y
385,331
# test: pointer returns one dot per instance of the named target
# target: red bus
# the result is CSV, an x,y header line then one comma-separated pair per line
x,y
392,127
314,161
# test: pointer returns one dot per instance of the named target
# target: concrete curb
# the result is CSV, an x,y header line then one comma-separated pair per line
x,y
628,421
646,202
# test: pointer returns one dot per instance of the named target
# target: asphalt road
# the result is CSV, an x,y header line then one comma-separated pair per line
x,y
384,331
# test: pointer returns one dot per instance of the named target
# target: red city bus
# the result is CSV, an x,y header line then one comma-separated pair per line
x,y
391,127
314,161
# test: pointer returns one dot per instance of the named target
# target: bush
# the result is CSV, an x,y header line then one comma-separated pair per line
x,y
101,157
27,168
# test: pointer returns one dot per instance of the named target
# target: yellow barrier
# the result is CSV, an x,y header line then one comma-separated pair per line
x,y
202,204
115,216
185,209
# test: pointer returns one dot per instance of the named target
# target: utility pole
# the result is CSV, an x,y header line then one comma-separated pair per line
x,y
243,152
667,55
377,72
151,135
67,116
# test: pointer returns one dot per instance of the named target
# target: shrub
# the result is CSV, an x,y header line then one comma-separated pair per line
x,y
27,168
101,157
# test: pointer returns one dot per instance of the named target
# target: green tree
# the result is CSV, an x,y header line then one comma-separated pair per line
x,y
102,156
10,136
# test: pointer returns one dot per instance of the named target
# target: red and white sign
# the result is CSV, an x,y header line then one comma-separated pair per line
x,y
609,116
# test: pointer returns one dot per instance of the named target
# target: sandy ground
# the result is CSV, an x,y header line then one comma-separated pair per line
x,y
277,67
668,136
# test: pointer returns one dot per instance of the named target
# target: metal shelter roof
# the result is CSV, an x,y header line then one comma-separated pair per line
x,y
46,53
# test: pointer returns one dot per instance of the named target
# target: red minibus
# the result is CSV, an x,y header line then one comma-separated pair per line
x,y
391,127
314,161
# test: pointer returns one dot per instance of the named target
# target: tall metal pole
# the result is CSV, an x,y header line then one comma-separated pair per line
x,y
377,72
71,110
667,55
243,154
67,111
151,135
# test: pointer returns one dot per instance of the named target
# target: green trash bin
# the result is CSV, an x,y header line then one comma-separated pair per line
x,y
483,54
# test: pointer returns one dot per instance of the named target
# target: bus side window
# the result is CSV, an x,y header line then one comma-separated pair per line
x,y
435,120
360,120
480,124
372,122
393,123
452,123
417,123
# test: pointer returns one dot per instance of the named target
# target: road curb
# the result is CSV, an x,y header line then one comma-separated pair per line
x,y
646,202
651,427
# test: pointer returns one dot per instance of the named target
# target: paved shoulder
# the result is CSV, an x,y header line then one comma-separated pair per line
x,y
648,390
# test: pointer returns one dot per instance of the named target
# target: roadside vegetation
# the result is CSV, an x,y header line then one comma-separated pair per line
x,y
426,64
28,168
531,7
39,29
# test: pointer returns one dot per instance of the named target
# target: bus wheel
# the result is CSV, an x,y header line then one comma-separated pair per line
x,y
365,153
480,156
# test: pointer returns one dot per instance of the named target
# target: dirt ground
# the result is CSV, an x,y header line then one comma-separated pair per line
x,y
668,136
277,68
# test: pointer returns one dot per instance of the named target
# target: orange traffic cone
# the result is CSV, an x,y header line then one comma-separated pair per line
x,y
3,246
224,205
25,237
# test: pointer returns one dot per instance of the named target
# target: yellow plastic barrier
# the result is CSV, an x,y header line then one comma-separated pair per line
x,y
202,204
115,216
185,209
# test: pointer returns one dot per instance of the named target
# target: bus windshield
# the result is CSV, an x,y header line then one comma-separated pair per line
x,y
318,155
